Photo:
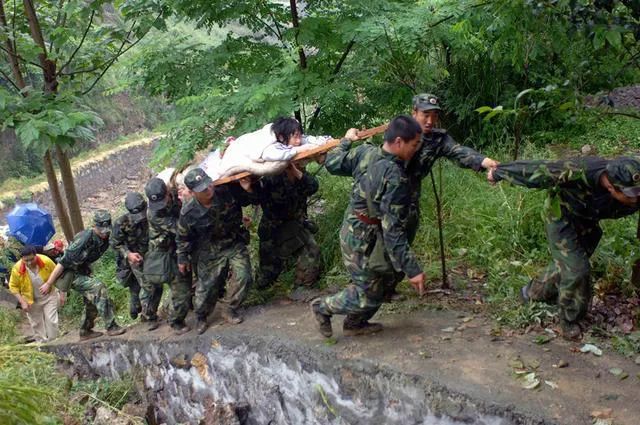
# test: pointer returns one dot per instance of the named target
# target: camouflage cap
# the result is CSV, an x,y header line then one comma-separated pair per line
x,y
156,191
135,203
102,219
197,180
426,102
624,173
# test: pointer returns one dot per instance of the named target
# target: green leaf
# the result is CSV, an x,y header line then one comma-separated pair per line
x,y
614,38
483,109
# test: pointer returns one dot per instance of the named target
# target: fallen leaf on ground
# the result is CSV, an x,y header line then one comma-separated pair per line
x,y
516,363
449,329
619,373
467,319
638,360
530,381
603,422
534,364
562,363
542,339
590,348
602,413
552,384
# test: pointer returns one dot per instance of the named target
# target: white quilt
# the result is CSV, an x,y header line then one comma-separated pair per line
x,y
257,152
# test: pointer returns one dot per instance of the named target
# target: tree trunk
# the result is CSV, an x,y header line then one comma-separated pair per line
x,y
51,87
635,271
13,57
295,21
70,190
57,198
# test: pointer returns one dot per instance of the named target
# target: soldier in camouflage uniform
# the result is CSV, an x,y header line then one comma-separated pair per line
x,y
581,192
373,238
9,255
163,213
211,234
436,143
130,240
74,272
283,231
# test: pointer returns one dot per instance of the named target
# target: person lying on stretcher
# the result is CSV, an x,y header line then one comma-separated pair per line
x,y
262,152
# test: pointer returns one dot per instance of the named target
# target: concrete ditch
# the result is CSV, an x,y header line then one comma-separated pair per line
x,y
249,379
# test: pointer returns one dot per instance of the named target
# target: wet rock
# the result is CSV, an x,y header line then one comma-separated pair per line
x,y
180,361
225,414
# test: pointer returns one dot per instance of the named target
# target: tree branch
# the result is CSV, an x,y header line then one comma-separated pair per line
x,y
6,77
17,56
84,35
336,70
296,24
624,114
120,53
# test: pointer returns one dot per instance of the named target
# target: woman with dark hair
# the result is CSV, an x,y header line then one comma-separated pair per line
x,y
27,276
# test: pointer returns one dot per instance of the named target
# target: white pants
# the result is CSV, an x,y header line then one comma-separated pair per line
x,y
43,317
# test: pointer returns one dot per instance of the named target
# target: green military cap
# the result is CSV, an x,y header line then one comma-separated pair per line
x,y
426,102
197,180
102,219
624,173
156,191
136,205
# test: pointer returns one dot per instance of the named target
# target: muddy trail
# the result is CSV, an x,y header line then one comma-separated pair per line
x,y
446,365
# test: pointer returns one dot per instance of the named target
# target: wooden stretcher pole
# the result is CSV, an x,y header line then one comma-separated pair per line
x,y
362,135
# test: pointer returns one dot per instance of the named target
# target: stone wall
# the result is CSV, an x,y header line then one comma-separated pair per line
x,y
124,169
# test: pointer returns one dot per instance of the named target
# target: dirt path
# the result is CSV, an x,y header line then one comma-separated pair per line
x,y
459,351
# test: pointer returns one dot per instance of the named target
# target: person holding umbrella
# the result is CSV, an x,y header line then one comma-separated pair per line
x,y
27,278
73,271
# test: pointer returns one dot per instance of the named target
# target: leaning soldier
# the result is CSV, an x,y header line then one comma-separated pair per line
x,y
373,238
581,192
283,230
211,234
130,240
74,272
161,268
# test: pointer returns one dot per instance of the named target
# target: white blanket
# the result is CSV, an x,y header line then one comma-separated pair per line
x,y
258,152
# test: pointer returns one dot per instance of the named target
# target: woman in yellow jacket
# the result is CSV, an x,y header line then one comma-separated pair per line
x,y
27,276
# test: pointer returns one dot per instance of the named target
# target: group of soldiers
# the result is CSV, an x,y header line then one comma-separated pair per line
x,y
192,236
382,218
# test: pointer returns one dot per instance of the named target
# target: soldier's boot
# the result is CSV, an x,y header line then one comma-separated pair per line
x,y
524,293
153,324
570,330
201,325
135,308
180,328
231,316
86,334
323,320
350,328
115,329
393,296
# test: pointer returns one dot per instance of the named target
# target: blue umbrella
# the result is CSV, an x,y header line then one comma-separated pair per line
x,y
30,224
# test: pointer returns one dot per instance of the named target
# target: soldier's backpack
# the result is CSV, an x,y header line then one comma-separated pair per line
x,y
159,267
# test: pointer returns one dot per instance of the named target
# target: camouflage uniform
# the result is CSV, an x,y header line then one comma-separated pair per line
x,y
9,255
282,230
162,237
379,207
576,204
215,240
130,233
436,144
86,248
